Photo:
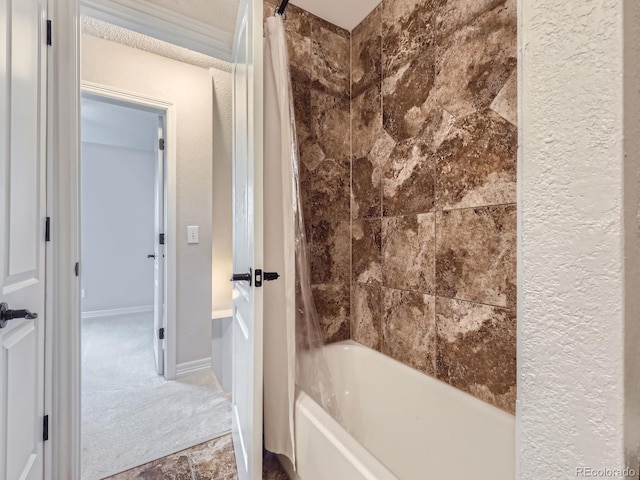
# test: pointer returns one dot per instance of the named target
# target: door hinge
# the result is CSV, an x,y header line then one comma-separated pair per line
x,y
77,269
161,239
45,428
49,33
161,144
47,229
161,334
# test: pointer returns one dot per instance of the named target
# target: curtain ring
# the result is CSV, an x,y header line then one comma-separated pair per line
x,y
284,15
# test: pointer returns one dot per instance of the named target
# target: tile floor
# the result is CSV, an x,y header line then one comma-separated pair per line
x,y
213,460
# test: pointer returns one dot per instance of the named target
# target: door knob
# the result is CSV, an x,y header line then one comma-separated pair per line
x,y
6,314
151,255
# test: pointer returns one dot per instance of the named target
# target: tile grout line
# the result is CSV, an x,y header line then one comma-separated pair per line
x,y
436,211
435,295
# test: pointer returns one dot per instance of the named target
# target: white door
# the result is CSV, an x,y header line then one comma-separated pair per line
x,y
22,230
159,310
247,241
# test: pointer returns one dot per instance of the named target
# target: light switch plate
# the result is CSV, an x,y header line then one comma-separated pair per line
x,y
192,234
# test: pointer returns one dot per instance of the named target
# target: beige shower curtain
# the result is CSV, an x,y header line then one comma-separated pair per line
x,y
280,153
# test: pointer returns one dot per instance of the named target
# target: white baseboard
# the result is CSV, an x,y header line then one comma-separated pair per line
x,y
187,368
117,311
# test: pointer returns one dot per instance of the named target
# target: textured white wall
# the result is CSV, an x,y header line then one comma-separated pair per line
x,y
222,175
190,88
578,296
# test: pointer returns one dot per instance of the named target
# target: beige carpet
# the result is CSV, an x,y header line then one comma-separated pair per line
x,y
130,415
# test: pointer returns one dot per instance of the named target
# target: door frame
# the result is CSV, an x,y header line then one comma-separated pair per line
x,y
62,352
168,110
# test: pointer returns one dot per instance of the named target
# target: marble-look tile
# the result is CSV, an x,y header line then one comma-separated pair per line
x,y
437,123
475,61
330,125
330,57
329,251
366,251
476,255
476,350
407,31
405,94
409,333
332,305
506,102
366,189
452,15
408,252
477,162
366,315
213,459
366,53
329,194
271,468
409,179
174,467
366,121
299,50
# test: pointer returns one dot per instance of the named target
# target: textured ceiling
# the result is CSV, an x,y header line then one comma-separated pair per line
x,y
108,31
346,14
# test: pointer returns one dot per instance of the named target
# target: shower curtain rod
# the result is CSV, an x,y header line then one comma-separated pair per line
x,y
282,7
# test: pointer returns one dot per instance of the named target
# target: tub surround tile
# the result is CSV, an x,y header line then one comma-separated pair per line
x,y
452,15
330,124
409,332
408,252
405,94
329,251
366,189
407,31
477,162
475,61
506,102
332,304
366,53
366,315
330,57
476,350
409,179
366,251
366,121
329,194
476,255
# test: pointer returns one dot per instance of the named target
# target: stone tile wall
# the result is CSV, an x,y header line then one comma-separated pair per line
x,y
319,56
433,116
411,118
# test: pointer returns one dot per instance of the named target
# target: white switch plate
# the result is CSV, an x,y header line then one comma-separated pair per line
x,y
192,234
82,293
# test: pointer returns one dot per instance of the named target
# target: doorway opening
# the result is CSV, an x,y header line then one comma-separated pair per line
x,y
133,409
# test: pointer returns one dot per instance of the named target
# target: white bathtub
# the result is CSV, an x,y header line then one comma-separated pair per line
x,y
399,424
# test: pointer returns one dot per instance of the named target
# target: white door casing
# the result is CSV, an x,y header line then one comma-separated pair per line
x,y
22,229
247,240
165,217
159,310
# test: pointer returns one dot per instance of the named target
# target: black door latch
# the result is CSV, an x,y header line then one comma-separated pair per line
x,y
265,276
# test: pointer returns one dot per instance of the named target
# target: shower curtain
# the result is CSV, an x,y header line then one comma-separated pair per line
x,y
293,353
279,247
